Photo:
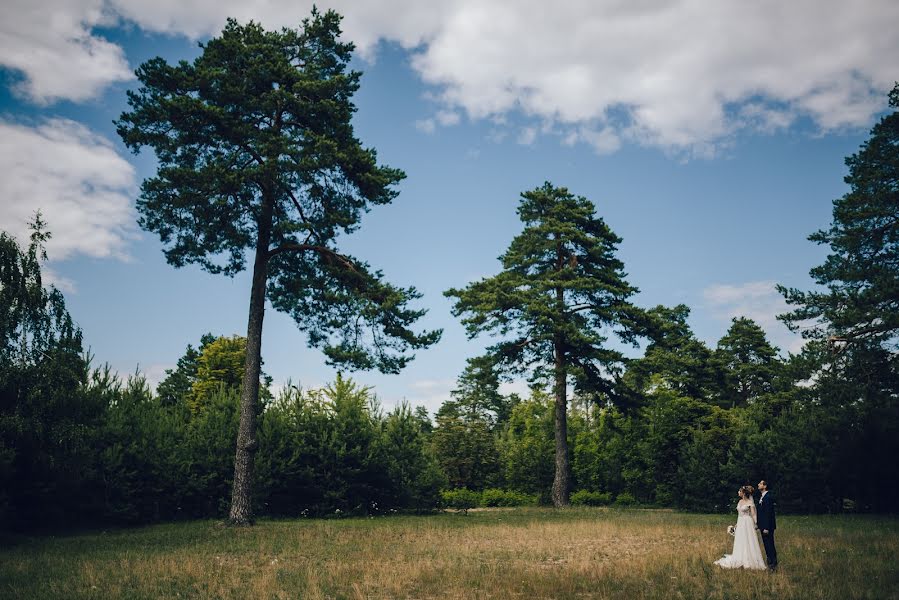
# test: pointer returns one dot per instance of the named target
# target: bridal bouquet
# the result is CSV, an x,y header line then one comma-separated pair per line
x,y
731,530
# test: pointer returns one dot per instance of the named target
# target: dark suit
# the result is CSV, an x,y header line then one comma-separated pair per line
x,y
765,519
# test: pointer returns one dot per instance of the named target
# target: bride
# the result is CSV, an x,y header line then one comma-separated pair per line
x,y
747,553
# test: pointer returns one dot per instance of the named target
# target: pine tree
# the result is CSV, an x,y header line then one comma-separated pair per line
x,y
748,362
257,152
861,275
560,289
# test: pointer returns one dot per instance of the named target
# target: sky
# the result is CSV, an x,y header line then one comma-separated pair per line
x,y
710,136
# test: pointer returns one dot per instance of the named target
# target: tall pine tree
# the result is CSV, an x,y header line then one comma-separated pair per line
x,y
561,289
257,152
861,274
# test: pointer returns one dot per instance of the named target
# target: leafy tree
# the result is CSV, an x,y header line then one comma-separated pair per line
x,y
560,290
296,436
527,446
750,365
424,419
220,364
413,468
358,463
33,317
179,381
702,480
48,424
669,420
478,391
861,274
256,152
674,356
465,447
853,324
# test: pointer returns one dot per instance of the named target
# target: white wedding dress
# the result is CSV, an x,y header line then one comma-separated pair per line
x,y
747,553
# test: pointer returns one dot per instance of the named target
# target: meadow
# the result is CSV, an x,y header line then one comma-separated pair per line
x,y
493,553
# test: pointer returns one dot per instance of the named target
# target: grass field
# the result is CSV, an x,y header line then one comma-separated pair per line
x,y
514,553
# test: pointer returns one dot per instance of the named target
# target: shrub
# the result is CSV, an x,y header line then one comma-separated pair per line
x,y
588,498
625,499
460,499
498,497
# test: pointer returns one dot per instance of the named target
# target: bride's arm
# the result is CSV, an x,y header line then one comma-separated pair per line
x,y
754,516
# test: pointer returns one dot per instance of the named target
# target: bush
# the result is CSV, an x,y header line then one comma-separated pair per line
x,y
498,497
588,498
460,499
625,499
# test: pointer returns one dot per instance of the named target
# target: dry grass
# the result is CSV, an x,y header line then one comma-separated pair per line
x,y
524,553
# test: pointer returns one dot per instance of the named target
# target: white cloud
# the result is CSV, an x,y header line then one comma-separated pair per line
x,y
684,75
666,73
75,178
518,386
50,276
430,393
50,45
443,118
756,300
430,385
447,117
603,141
426,125
155,373
527,136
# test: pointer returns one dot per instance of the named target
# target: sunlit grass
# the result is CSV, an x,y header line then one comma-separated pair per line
x,y
518,553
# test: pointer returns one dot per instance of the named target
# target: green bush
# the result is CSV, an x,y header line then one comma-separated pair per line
x,y
498,497
460,499
625,499
588,498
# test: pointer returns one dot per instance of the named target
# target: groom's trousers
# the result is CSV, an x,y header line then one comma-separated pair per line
x,y
770,550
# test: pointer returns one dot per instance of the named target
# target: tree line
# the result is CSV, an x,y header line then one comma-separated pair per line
x,y
257,156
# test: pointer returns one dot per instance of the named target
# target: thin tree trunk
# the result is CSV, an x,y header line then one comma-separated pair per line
x,y
242,490
560,481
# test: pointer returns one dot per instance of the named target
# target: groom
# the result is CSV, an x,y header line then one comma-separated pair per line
x,y
767,523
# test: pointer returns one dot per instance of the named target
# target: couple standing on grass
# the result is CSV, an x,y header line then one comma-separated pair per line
x,y
746,553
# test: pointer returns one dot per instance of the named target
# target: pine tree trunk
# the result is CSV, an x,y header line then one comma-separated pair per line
x,y
560,481
242,490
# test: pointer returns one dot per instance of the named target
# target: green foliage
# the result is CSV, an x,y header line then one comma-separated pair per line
x,y
332,449
461,499
560,286
465,447
478,391
415,475
625,499
588,498
256,151
48,423
220,364
179,381
682,426
748,362
860,276
498,497
673,356
527,446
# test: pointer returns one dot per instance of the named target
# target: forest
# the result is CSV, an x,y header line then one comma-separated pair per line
x,y
680,424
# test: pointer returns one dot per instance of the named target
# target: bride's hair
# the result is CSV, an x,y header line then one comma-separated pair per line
x,y
747,491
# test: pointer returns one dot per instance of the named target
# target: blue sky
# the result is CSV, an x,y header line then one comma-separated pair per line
x,y
713,160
